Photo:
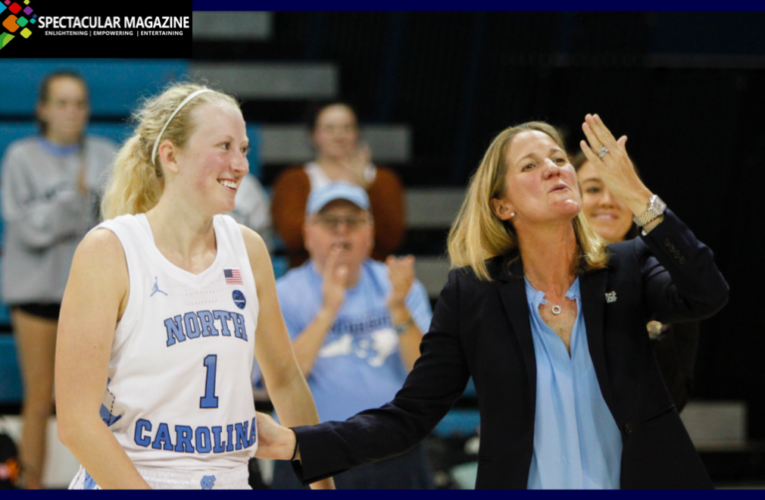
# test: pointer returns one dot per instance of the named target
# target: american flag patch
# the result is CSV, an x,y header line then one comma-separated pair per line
x,y
233,277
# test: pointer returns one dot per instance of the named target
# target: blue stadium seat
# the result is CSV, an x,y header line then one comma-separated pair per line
x,y
5,313
115,85
280,265
463,422
459,422
11,390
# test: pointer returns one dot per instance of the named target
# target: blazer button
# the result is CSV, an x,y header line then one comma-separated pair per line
x,y
682,260
667,243
628,429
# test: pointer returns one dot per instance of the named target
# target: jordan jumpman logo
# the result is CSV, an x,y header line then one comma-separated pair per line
x,y
156,288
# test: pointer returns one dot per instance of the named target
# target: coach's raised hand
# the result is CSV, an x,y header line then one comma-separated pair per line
x,y
609,156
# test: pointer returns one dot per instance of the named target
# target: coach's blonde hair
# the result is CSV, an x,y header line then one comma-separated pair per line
x,y
137,182
478,234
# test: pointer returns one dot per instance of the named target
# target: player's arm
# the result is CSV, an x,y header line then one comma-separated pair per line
x,y
285,382
95,298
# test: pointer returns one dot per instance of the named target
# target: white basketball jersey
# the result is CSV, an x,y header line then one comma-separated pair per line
x,y
179,392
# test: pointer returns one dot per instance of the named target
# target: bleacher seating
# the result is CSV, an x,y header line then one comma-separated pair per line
x,y
211,26
115,85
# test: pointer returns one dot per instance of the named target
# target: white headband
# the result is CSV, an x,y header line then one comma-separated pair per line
x,y
181,105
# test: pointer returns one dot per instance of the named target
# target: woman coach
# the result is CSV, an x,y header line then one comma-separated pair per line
x,y
549,323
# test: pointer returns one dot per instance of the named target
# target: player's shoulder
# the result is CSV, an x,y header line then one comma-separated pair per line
x,y
108,235
253,242
101,238
100,249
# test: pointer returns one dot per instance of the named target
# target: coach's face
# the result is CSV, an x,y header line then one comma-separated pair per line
x,y
540,184
343,225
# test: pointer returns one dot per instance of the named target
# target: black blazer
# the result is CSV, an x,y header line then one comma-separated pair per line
x,y
675,352
482,328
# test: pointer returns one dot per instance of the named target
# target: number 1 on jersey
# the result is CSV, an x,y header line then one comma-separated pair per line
x,y
210,400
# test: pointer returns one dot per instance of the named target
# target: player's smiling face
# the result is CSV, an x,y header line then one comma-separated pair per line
x,y
215,157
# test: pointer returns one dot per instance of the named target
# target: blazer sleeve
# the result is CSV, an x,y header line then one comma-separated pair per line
x,y
438,378
680,279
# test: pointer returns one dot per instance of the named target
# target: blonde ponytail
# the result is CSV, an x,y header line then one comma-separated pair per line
x,y
134,186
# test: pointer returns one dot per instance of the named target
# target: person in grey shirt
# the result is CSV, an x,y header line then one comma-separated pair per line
x,y
50,198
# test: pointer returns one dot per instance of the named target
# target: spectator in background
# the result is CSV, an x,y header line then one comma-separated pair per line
x,y
50,190
253,209
340,156
356,327
675,345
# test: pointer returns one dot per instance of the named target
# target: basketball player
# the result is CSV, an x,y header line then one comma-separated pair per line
x,y
158,321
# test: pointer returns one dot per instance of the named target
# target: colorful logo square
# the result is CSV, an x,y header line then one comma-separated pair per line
x,y
14,21
10,24
5,39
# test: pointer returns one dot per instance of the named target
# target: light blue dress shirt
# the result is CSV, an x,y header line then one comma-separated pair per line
x,y
577,444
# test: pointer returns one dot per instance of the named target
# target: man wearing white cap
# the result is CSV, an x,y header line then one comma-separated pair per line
x,y
356,326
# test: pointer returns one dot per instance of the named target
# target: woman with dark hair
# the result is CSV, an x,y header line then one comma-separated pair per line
x,y
50,186
340,156
549,322
675,346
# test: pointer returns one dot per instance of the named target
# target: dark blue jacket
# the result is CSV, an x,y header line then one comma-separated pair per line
x,y
481,329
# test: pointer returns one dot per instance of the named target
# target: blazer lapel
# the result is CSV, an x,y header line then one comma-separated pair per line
x,y
593,289
512,291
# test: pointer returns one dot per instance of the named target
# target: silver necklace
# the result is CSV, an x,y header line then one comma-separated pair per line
x,y
556,310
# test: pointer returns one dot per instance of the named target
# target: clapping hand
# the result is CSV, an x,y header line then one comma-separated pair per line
x,y
335,281
609,157
356,164
401,274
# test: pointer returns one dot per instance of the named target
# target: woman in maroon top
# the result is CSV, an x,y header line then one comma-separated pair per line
x,y
340,156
